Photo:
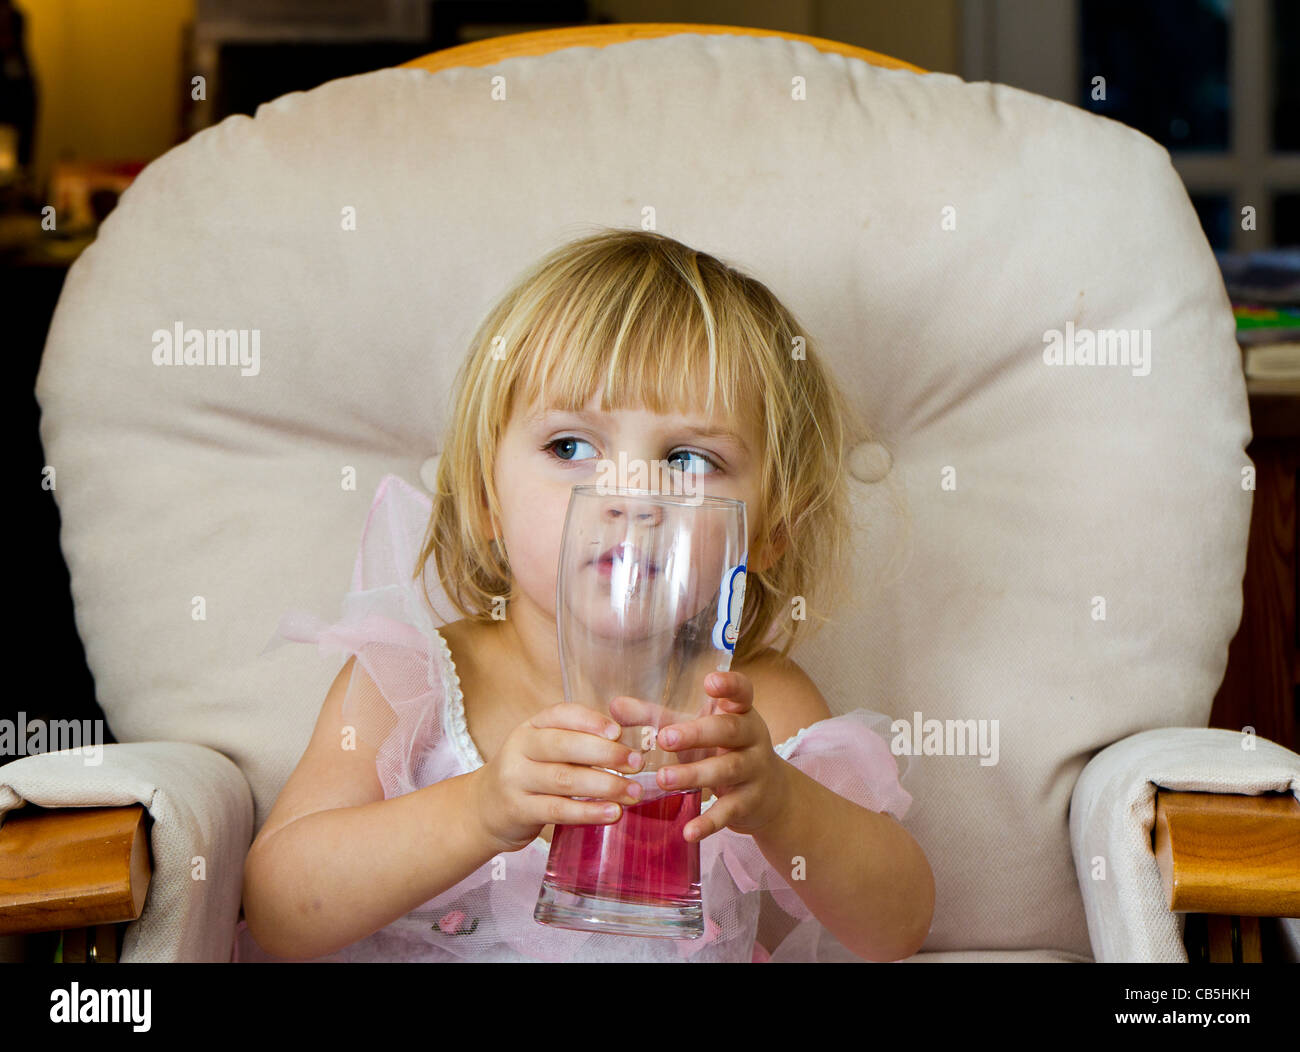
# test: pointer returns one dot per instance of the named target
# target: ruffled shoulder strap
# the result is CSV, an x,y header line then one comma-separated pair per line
x,y
387,623
393,535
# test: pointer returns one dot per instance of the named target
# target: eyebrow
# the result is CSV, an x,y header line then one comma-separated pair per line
x,y
694,428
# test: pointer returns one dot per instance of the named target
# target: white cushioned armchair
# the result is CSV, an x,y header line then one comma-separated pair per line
x,y
1067,576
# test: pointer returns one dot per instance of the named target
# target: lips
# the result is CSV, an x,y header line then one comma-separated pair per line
x,y
625,553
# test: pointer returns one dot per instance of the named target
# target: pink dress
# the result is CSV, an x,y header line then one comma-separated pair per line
x,y
419,730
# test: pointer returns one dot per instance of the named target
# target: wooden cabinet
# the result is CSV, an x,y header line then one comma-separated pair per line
x,y
1261,686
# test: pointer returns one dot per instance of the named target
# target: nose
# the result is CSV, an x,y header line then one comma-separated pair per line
x,y
638,513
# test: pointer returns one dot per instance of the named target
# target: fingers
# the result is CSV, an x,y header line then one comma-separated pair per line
x,y
575,780
577,718
725,812
555,745
734,689
724,730
561,811
727,769
707,823
733,694
566,756
633,712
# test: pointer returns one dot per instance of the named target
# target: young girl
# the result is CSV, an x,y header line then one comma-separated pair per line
x,y
417,824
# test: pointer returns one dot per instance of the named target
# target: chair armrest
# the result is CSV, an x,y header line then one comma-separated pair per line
x,y
1229,854
202,824
1113,818
72,868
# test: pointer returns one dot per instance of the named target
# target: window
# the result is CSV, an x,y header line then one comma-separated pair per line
x,y
1216,82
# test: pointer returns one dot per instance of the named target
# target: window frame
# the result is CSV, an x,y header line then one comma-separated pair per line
x,y
1035,46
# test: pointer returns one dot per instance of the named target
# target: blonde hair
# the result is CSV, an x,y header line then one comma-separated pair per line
x,y
639,313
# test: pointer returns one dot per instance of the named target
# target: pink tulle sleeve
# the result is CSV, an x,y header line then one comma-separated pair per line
x,y
848,754
387,624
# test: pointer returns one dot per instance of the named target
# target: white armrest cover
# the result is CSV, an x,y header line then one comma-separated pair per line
x,y
1112,814
202,807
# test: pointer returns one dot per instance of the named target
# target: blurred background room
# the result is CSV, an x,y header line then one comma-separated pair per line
x,y
94,90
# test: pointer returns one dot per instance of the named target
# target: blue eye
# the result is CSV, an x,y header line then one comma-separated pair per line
x,y
692,453
568,440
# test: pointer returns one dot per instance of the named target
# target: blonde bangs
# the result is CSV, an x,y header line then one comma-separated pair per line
x,y
641,335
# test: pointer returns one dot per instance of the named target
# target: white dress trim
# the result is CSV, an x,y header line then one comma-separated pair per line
x,y
454,719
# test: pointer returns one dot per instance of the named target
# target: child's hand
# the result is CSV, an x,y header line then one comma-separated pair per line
x,y
745,772
545,760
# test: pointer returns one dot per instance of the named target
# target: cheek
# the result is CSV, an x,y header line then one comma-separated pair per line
x,y
534,536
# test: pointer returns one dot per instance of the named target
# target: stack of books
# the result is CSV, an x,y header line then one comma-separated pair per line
x,y
1264,288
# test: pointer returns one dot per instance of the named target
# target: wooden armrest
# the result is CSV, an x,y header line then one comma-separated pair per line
x,y
1224,853
72,867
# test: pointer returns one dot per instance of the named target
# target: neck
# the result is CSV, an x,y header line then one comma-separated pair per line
x,y
529,637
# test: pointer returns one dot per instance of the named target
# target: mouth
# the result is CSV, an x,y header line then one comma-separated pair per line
x,y
624,553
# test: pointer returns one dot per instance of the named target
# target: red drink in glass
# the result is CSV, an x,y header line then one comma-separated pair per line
x,y
641,858
615,870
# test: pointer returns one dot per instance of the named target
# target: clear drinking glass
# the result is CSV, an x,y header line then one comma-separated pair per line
x,y
648,603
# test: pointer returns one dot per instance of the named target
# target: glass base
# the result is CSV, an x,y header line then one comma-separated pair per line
x,y
564,909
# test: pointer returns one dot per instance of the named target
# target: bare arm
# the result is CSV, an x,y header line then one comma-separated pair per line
x,y
336,862
864,877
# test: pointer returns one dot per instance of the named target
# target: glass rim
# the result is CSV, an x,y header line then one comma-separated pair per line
x,y
674,499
